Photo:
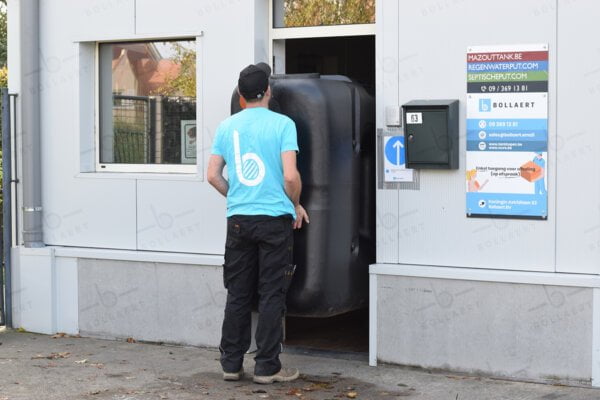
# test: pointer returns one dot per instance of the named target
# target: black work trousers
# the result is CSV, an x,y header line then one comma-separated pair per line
x,y
258,260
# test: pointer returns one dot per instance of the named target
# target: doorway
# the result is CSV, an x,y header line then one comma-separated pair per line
x,y
353,57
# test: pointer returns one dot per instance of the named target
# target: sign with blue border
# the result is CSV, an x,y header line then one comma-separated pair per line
x,y
394,160
507,131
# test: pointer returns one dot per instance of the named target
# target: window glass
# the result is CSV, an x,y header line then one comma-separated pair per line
x,y
298,13
148,102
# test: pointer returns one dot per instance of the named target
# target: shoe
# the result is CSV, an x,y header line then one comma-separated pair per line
x,y
284,375
233,376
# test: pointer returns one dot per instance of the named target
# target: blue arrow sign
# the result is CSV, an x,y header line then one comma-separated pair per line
x,y
394,150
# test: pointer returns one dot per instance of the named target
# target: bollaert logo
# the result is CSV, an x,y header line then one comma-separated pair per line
x,y
249,168
485,105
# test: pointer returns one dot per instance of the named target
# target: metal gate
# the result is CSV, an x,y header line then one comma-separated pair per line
x,y
133,129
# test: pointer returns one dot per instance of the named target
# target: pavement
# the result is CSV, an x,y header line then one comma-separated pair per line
x,y
61,367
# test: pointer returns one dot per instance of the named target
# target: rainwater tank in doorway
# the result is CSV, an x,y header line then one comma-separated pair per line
x,y
335,121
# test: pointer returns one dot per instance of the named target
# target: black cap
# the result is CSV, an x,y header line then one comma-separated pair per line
x,y
254,81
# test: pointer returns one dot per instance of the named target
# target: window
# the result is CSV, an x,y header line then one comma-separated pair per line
x,y
303,13
147,106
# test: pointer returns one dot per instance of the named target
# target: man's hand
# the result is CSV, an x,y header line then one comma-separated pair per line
x,y
301,215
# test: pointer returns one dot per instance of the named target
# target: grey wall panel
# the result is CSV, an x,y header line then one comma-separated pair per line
x,y
151,301
77,212
196,210
386,53
434,37
88,212
182,216
95,17
83,211
514,330
578,146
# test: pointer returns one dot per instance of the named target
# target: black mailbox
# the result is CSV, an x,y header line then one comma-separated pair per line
x,y
431,134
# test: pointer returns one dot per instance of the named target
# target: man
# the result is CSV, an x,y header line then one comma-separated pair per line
x,y
263,192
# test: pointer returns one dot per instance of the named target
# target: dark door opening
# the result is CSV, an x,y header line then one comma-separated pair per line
x,y
353,57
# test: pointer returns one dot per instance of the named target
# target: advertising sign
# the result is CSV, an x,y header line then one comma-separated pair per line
x,y
507,131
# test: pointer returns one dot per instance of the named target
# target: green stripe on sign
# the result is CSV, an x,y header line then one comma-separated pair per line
x,y
508,76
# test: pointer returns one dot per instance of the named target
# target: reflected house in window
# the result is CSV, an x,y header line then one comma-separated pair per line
x,y
139,69
153,89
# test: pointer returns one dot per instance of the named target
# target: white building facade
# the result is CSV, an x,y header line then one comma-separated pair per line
x,y
136,250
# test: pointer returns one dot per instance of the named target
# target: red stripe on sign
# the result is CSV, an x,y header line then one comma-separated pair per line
x,y
510,56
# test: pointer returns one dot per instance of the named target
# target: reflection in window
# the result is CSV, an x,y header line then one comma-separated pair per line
x,y
148,102
298,13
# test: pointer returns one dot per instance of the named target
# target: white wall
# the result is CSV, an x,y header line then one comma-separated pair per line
x,y
44,291
578,141
387,89
423,56
421,50
121,210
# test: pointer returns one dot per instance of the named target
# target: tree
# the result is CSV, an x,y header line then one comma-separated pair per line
x,y
3,34
328,12
184,84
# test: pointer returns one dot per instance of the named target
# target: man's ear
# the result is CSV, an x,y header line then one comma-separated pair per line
x,y
268,92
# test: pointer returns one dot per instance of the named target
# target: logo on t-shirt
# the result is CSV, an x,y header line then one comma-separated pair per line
x,y
250,169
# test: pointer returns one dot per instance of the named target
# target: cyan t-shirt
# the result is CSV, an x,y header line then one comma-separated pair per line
x,y
251,143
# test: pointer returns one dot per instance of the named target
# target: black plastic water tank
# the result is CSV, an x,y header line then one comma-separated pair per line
x,y
335,120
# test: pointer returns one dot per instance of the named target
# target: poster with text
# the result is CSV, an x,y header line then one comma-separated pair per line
x,y
507,131
188,141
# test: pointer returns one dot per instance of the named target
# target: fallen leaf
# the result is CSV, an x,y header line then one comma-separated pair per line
x,y
294,392
259,391
81,361
59,335
52,356
131,340
318,386
351,395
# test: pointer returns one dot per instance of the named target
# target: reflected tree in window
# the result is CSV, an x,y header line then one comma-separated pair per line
x,y
300,13
184,82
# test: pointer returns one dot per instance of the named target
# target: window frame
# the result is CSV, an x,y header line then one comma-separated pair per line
x,y
187,169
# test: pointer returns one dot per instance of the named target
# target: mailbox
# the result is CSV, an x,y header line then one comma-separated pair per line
x,y
431,134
